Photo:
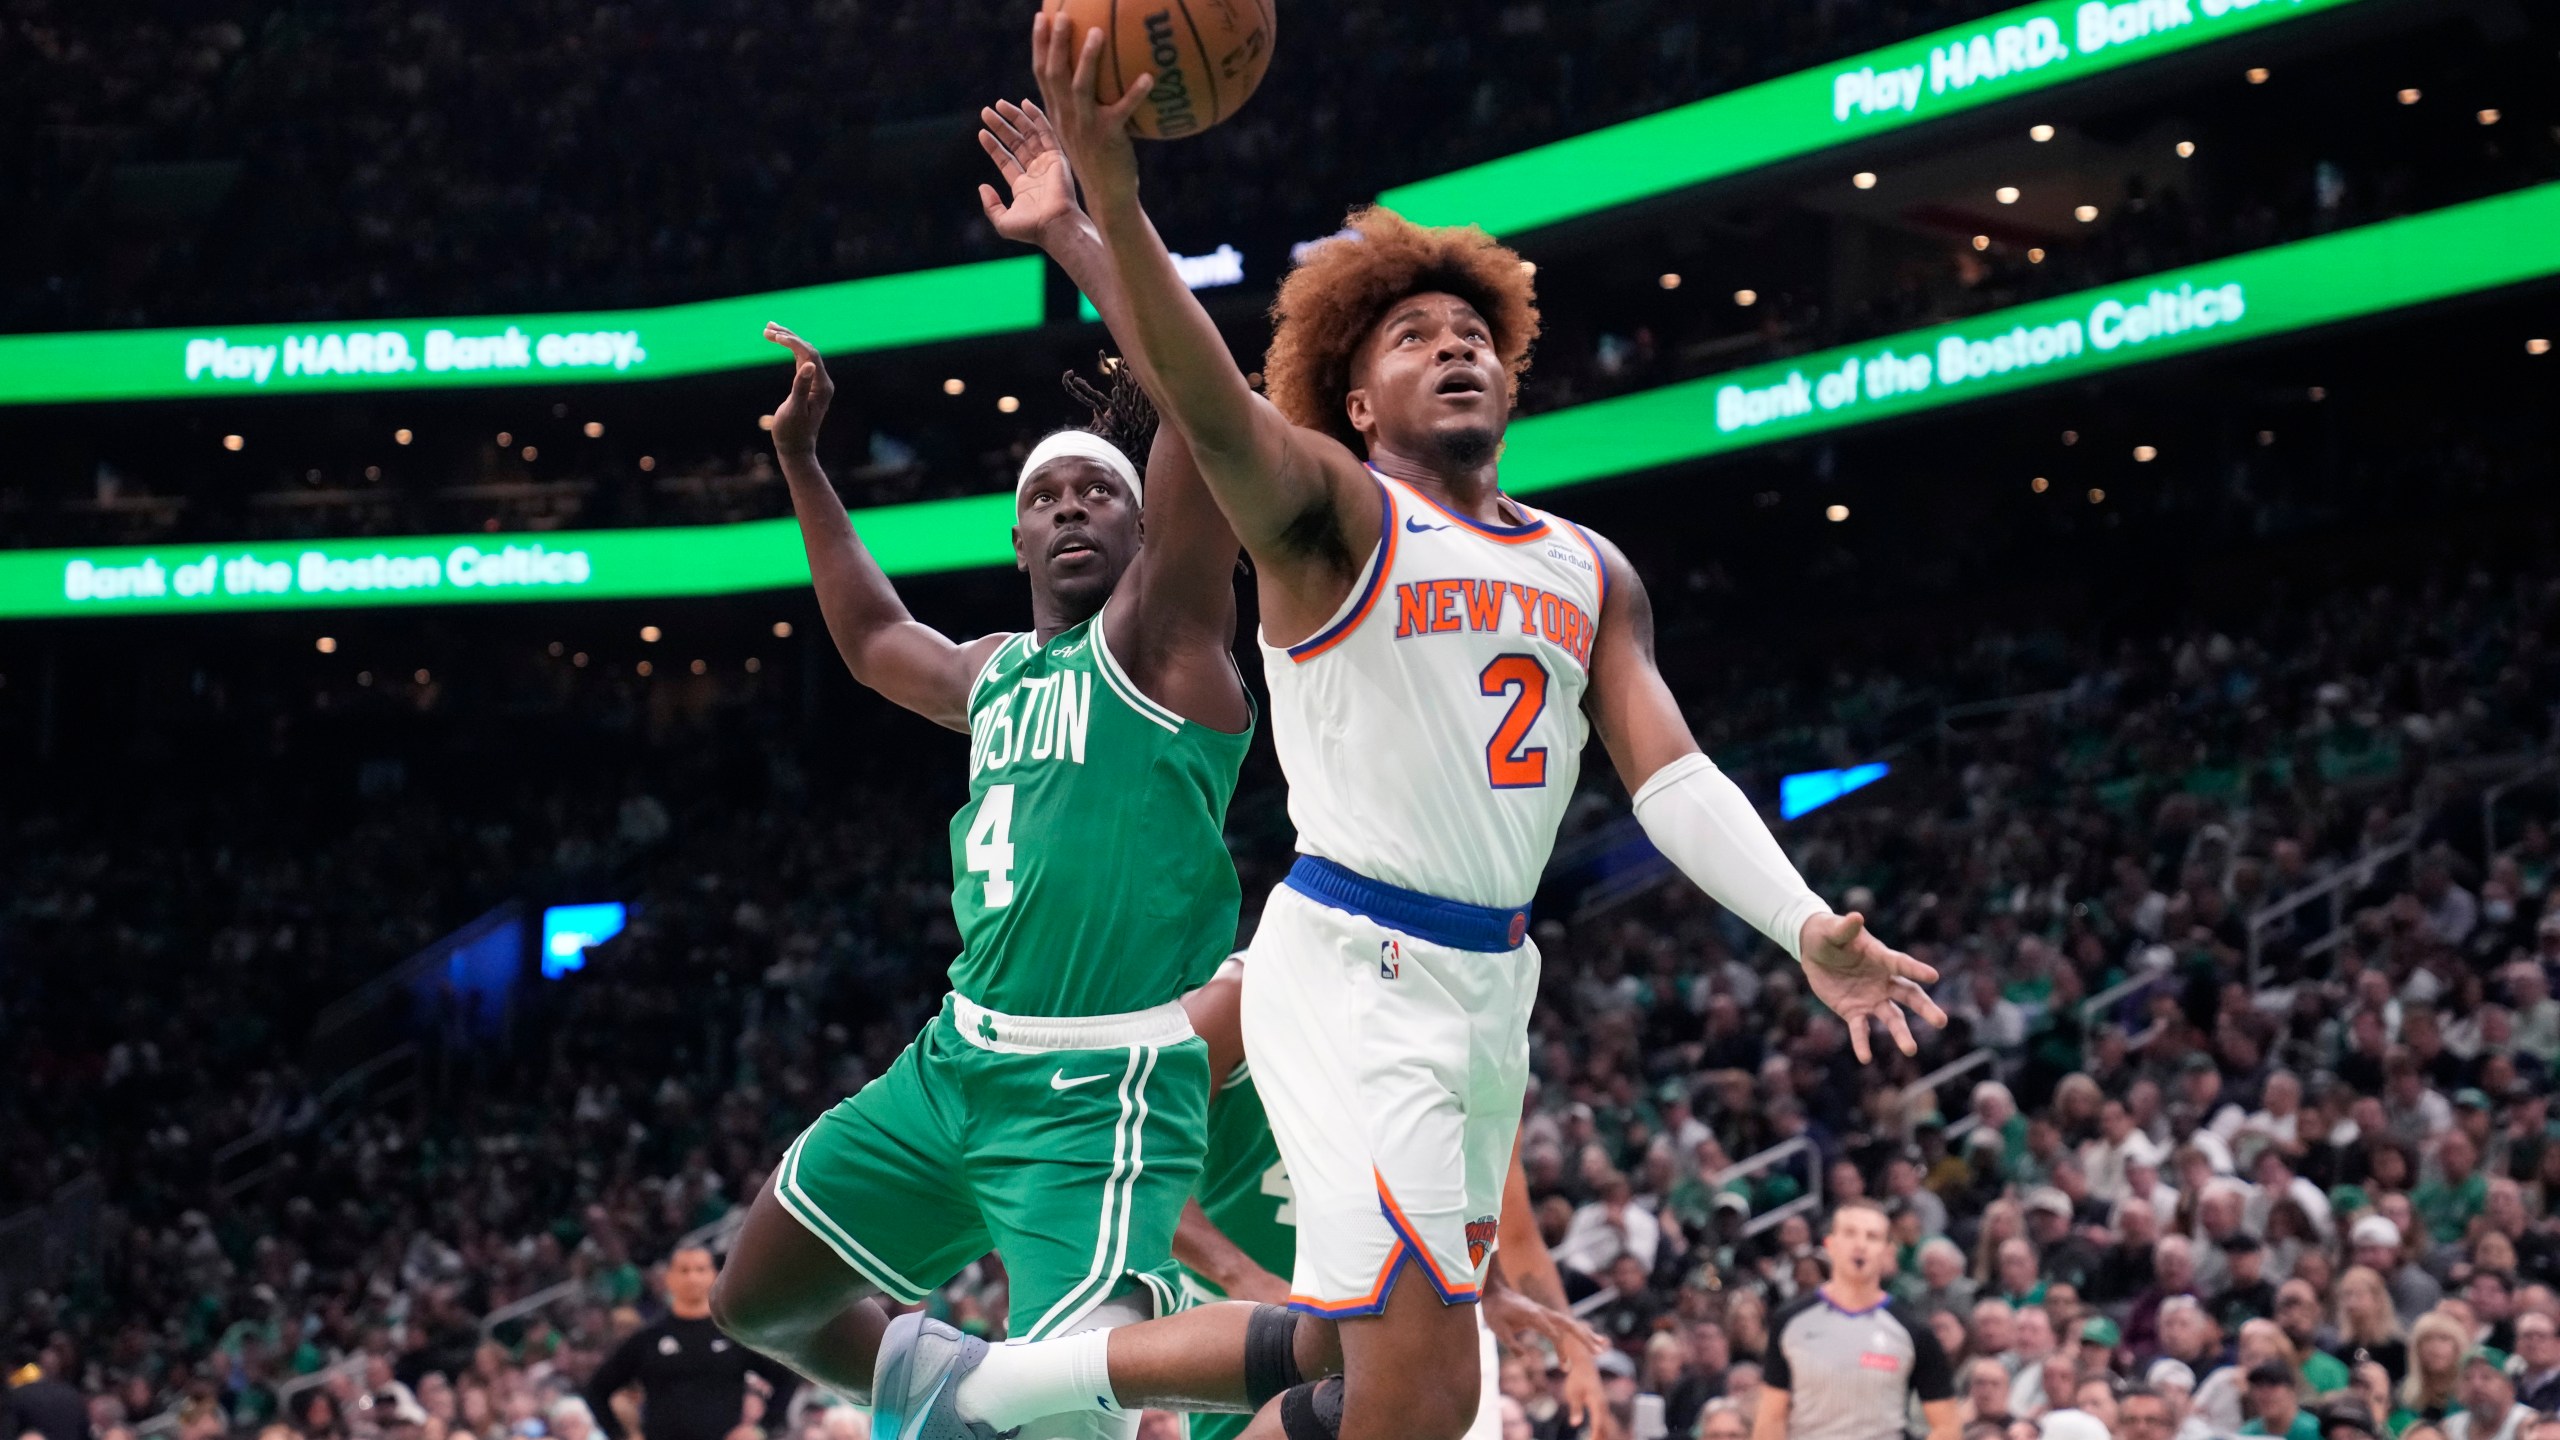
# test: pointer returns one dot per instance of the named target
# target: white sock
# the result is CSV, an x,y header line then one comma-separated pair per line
x,y
1017,1384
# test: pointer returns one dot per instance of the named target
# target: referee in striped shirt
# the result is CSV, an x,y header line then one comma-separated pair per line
x,y
1845,1361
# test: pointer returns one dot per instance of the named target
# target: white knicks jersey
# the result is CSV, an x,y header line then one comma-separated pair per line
x,y
1432,731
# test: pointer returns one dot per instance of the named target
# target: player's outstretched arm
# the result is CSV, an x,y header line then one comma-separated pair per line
x,y
912,664
1200,1244
1703,823
1530,1269
1172,618
1276,482
1040,208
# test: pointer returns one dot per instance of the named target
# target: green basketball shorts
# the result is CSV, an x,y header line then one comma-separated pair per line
x,y
1067,1146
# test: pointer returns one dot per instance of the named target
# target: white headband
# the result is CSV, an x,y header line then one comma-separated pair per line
x,y
1081,445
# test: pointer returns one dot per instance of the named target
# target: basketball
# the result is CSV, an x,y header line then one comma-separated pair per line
x,y
1207,56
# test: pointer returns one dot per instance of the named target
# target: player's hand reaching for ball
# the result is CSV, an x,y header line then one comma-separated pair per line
x,y
1094,135
1866,982
1024,146
797,419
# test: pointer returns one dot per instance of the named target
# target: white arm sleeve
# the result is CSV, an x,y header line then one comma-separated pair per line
x,y
1705,824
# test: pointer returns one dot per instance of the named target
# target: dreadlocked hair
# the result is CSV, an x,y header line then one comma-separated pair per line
x,y
1328,306
1122,415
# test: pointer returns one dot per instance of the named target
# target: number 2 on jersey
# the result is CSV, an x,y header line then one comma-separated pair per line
x,y
989,847
1507,764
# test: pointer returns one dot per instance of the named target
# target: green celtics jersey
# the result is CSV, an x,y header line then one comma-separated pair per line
x,y
1089,870
1244,1189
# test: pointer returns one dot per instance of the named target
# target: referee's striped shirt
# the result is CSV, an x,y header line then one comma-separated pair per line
x,y
1852,1374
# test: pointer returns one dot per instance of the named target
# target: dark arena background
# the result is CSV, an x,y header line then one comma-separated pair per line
x,y
2097,470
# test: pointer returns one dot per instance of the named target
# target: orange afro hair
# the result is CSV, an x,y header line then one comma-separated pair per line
x,y
1328,306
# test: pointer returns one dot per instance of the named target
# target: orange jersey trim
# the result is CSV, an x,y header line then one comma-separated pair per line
x,y
1334,634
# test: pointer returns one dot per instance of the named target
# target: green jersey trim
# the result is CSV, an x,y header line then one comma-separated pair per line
x,y
814,1218
1111,1241
1121,684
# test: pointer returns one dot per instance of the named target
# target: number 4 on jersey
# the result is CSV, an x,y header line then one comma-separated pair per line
x,y
1507,765
1275,1183
989,848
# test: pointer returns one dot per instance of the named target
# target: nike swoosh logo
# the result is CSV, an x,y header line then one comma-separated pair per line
x,y
1417,527
1059,1081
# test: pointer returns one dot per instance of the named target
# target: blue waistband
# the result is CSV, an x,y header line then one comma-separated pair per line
x,y
1452,923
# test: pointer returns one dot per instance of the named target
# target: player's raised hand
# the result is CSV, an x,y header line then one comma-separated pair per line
x,y
1024,146
1094,135
1866,981
796,420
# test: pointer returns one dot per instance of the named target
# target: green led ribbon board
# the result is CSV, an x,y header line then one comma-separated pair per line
x,y
2017,52
2463,250
655,563
2020,51
492,350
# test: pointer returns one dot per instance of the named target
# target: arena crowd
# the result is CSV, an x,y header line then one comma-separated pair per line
x,y
2249,1206
2175,1172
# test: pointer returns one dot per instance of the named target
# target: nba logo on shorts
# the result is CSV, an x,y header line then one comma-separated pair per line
x,y
1390,959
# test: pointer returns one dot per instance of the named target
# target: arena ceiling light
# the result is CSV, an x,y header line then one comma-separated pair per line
x,y
2032,49
2467,249
923,307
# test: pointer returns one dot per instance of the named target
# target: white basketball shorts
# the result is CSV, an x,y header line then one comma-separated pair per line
x,y
1393,1068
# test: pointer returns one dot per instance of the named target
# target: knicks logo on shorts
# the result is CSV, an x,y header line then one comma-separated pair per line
x,y
1390,959
1480,1235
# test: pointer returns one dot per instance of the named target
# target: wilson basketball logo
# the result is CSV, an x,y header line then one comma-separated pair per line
x,y
1172,96
1207,56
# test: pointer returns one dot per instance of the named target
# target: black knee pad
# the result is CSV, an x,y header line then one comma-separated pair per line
x,y
1270,1354
1313,1412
